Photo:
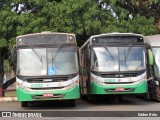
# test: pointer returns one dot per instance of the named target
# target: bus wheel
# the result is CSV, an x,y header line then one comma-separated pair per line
x,y
72,102
82,97
121,98
91,98
24,104
146,96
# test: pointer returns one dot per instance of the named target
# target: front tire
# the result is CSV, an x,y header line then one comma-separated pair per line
x,y
146,96
72,102
24,104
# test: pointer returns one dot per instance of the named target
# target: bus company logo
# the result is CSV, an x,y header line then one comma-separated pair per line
x,y
59,84
119,80
6,114
129,80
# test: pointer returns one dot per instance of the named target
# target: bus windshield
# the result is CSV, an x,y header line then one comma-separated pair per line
x,y
156,52
127,58
47,61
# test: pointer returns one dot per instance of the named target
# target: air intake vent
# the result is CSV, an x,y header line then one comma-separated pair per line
x,y
121,75
48,88
58,79
41,96
118,82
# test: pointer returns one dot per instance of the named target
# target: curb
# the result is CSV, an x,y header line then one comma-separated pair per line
x,y
8,99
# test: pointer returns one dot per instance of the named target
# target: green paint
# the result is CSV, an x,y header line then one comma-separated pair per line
x,y
73,93
139,89
150,57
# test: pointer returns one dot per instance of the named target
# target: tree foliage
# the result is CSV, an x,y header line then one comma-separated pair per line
x,y
82,17
147,10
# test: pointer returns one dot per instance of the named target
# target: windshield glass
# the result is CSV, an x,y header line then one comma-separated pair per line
x,y
47,61
156,53
117,59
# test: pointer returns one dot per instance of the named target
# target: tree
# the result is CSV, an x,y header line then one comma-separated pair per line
x,y
147,10
82,17
5,34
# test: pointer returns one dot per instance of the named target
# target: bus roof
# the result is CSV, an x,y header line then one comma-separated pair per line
x,y
45,32
109,34
46,38
116,34
153,40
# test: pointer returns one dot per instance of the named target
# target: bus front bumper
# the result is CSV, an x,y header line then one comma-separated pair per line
x,y
112,89
72,93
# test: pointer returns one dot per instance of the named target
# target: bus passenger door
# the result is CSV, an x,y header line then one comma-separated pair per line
x,y
84,71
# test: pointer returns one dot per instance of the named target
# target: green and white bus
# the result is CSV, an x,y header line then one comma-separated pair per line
x,y
113,64
153,43
47,67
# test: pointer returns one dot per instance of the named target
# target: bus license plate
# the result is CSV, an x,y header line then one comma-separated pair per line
x,y
119,89
48,95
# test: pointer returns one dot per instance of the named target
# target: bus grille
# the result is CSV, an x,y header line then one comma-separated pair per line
x,y
47,88
60,79
125,90
123,75
41,96
118,82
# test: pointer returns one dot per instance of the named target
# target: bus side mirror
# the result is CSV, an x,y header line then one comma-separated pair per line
x,y
13,57
150,57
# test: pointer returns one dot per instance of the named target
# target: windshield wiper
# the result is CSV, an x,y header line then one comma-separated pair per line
x,y
129,49
38,56
110,54
126,56
55,55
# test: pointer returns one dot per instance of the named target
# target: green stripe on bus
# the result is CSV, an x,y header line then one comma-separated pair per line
x,y
139,89
72,93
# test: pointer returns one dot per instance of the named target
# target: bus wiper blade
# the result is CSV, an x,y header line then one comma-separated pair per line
x,y
109,53
129,49
38,56
55,55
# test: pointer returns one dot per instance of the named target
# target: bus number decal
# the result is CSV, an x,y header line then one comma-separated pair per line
x,y
37,85
109,80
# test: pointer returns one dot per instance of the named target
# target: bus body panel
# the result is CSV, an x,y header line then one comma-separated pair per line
x,y
32,91
135,89
131,85
98,86
47,67
153,49
72,93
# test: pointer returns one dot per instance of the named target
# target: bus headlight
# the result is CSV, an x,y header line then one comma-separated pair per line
x,y
23,87
72,85
140,80
27,89
97,81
